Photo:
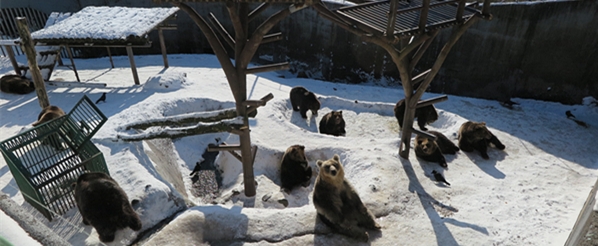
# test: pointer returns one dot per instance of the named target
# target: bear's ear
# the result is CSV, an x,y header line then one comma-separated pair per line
x,y
483,123
319,162
340,112
302,147
306,93
336,157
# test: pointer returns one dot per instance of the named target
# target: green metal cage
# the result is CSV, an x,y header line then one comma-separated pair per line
x,y
46,160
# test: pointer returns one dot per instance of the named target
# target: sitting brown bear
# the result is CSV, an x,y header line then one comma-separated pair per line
x,y
294,169
476,136
337,203
303,100
425,115
16,84
104,205
333,124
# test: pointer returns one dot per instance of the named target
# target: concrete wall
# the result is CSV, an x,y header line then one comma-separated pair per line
x,y
542,50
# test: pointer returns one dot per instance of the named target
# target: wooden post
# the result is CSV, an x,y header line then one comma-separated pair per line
x,y
132,61
392,17
28,47
110,56
68,51
13,61
163,47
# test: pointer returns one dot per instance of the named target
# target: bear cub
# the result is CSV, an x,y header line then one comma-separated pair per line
x,y
425,115
333,124
294,169
303,100
337,203
433,151
476,136
13,83
104,205
47,114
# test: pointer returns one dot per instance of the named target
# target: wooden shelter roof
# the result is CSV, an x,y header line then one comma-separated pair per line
x,y
105,26
374,16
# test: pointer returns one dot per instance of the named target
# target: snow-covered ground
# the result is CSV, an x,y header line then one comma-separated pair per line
x,y
528,194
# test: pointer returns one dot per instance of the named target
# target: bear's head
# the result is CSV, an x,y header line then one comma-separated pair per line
x,y
331,171
480,131
49,113
426,145
297,152
337,118
314,104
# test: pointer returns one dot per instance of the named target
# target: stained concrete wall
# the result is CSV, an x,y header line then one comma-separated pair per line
x,y
541,50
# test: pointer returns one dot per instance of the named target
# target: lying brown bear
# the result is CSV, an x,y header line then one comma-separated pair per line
x,y
476,136
16,84
433,150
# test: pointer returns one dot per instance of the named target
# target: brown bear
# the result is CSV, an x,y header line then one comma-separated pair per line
x,y
48,113
303,100
429,150
476,136
425,115
16,84
294,169
337,203
104,205
333,124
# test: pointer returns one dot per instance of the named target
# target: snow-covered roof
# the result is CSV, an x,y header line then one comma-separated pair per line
x,y
104,24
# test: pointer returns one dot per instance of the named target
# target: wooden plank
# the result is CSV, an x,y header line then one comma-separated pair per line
x,y
423,134
29,47
133,67
258,11
431,101
110,57
271,38
583,219
268,68
460,9
392,17
423,16
220,29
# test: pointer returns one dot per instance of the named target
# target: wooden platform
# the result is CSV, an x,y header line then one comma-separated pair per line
x,y
373,17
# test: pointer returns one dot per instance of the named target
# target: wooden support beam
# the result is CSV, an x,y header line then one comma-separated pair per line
x,y
257,11
266,98
423,16
420,77
392,17
272,37
133,66
224,147
486,9
423,134
110,56
220,29
163,47
254,151
422,49
460,9
268,68
13,60
255,103
29,48
70,53
431,101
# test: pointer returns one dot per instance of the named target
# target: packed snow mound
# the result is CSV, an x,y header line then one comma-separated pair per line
x,y
169,80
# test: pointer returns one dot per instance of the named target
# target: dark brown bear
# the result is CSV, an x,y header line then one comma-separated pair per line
x,y
425,115
333,124
429,150
303,100
16,84
294,169
476,136
338,204
104,205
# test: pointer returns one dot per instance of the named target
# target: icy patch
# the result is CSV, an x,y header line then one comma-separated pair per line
x,y
169,80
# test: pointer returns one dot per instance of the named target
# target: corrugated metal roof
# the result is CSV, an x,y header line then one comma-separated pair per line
x,y
374,15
